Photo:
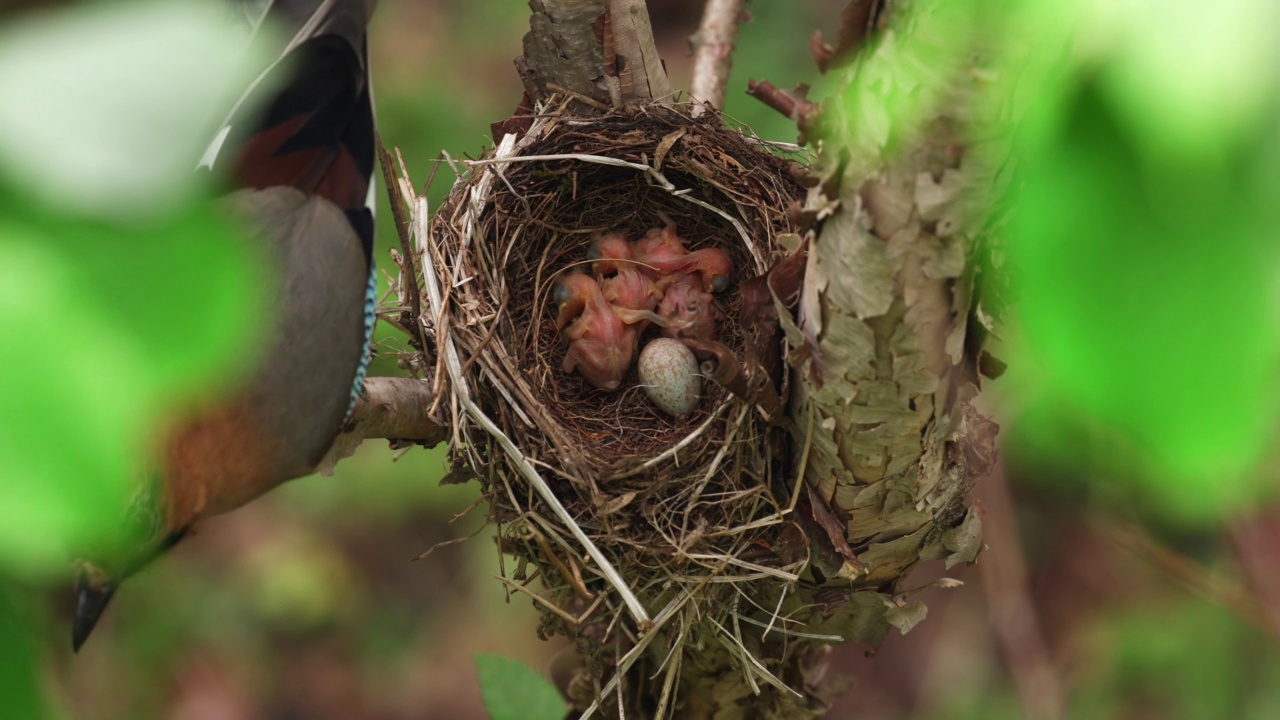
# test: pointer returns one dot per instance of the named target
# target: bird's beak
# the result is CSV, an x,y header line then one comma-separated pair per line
x,y
93,591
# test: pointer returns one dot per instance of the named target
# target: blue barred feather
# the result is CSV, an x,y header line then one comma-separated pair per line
x,y
366,353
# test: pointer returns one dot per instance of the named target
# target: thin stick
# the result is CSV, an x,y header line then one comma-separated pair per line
x,y
1192,576
713,52
1004,580
408,270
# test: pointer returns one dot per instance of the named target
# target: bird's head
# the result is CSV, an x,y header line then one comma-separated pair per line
x,y
608,253
113,560
571,294
714,267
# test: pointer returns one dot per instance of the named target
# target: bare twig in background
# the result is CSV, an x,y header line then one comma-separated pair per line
x,y
1256,542
1192,576
791,103
713,51
1013,616
856,24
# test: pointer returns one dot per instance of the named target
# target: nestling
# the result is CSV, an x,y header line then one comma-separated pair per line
x,y
602,336
688,311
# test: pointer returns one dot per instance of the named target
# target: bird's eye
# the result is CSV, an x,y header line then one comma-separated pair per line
x,y
593,252
720,283
560,294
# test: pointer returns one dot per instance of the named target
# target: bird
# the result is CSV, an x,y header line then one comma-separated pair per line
x,y
609,252
602,335
621,280
297,153
661,253
632,289
713,267
688,310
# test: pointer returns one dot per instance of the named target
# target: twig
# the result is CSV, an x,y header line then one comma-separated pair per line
x,y
390,408
857,22
1256,541
1193,577
408,270
802,111
396,408
713,52
1013,615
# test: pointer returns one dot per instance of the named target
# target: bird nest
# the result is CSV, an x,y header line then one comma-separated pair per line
x,y
624,512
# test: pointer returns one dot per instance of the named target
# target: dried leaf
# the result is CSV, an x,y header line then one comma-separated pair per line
x,y
665,145
905,618
834,530
615,504
746,380
519,122
965,540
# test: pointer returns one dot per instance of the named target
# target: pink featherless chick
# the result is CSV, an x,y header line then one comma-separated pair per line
x,y
629,288
688,311
662,254
610,252
602,336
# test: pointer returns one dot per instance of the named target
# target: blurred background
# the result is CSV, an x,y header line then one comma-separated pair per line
x,y
1091,601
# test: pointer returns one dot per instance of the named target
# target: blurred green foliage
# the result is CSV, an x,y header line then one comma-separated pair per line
x,y
88,242
19,680
102,337
1142,253
1179,660
899,84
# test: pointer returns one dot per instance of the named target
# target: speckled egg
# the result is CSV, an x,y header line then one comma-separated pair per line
x,y
669,373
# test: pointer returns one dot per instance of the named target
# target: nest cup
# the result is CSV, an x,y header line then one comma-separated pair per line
x,y
660,496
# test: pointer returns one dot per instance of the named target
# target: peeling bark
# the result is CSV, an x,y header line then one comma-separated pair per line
x,y
599,52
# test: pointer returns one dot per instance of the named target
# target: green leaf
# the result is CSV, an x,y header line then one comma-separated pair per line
x,y
107,109
899,83
20,680
125,295
514,691
1145,285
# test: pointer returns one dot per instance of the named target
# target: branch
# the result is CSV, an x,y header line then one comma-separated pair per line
x,y
600,52
408,286
1013,613
389,408
1192,576
791,103
713,51
857,21
563,46
639,67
